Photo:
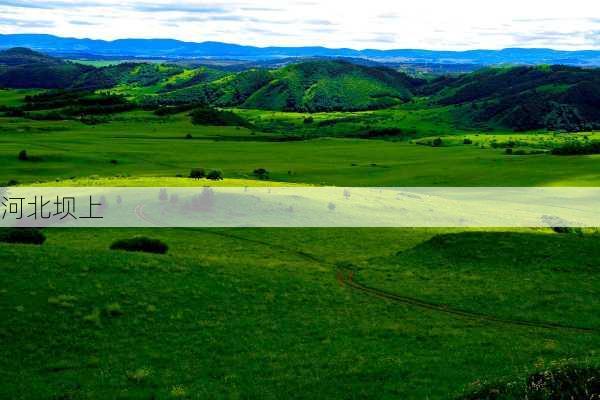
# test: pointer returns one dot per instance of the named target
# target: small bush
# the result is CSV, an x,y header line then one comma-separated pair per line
x,y
261,173
211,116
23,155
508,150
437,142
189,136
309,120
140,244
215,175
467,141
197,173
562,382
22,236
140,375
114,162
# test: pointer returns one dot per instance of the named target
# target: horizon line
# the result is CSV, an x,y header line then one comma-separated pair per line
x,y
299,46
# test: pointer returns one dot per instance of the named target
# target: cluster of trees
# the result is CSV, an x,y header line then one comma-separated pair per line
x,y
211,116
200,173
577,148
66,104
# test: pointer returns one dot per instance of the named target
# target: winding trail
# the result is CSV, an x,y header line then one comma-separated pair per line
x,y
346,279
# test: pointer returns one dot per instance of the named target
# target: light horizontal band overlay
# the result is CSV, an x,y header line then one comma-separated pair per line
x,y
299,207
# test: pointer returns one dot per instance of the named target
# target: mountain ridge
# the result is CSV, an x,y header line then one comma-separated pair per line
x,y
172,48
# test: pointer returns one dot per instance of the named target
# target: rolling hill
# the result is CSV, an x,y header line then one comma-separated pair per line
x,y
332,85
525,98
520,98
24,68
322,85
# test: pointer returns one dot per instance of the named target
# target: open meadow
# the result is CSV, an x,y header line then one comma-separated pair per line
x,y
294,313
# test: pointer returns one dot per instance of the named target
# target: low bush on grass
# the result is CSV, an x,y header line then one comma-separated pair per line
x,y
211,116
261,173
140,244
437,142
23,155
564,382
22,236
197,173
215,175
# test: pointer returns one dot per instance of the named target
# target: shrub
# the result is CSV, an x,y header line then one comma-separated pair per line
x,y
467,141
215,175
437,142
508,150
309,120
23,155
576,148
114,162
261,173
22,236
140,244
189,136
210,116
562,382
197,173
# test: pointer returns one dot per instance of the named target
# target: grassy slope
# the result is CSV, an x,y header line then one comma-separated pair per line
x,y
223,316
146,146
244,313
329,85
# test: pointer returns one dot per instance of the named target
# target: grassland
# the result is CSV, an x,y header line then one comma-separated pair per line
x,y
259,313
143,144
247,314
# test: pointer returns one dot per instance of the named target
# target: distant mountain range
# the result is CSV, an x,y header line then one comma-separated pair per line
x,y
175,49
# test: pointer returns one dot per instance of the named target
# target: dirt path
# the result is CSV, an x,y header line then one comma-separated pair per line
x,y
346,279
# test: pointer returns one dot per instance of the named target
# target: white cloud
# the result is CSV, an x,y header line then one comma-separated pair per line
x,y
457,24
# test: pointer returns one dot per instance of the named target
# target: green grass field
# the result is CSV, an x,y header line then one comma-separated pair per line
x,y
146,145
276,313
259,313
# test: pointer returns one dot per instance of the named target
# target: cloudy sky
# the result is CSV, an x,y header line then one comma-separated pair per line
x,y
384,24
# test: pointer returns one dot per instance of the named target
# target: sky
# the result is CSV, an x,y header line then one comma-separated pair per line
x,y
381,24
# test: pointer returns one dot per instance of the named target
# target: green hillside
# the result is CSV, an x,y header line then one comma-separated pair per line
x,y
304,87
332,85
525,98
22,68
509,98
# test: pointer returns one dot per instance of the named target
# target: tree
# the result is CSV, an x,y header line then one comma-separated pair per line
x,y
197,173
215,175
261,174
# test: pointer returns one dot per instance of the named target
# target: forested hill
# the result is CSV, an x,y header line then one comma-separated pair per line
x,y
324,85
524,98
24,68
520,98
